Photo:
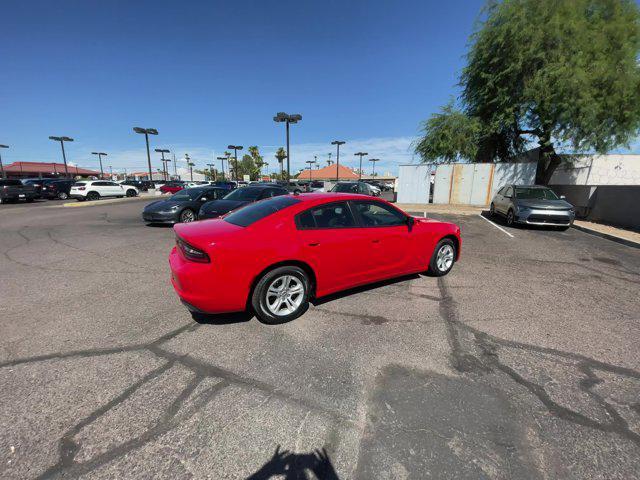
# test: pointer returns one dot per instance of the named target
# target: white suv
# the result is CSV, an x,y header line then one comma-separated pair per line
x,y
95,189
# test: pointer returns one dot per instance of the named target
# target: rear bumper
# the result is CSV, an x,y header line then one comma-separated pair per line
x,y
18,196
203,289
552,218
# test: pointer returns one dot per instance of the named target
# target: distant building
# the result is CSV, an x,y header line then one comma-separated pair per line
x,y
328,173
46,170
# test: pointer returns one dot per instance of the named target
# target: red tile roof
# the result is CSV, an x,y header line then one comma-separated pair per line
x,y
329,173
46,168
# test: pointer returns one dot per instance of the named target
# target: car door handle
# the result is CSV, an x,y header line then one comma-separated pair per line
x,y
314,244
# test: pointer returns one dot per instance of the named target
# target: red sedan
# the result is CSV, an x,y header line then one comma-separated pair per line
x,y
171,187
275,255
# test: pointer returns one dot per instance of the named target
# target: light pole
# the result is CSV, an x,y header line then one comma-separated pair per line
x,y
210,165
162,151
288,119
64,156
222,159
310,162
100,155
2,174
111,171
146,132
373,166
361,154
337,143
235,149
329,162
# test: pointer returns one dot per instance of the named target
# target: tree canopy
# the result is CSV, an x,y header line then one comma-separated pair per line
x,y
562,74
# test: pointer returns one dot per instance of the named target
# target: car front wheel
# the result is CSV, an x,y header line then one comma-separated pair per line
x,y
281,295
131,193
511,218
443,258
187,216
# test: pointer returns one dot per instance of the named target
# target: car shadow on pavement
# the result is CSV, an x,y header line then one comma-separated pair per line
x,y
497,219
221,318
159,225
286,465
363,288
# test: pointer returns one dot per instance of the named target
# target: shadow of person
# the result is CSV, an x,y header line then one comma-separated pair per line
x,y
295,466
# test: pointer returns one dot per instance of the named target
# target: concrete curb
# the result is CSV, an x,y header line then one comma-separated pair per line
x,y
613,238
93,203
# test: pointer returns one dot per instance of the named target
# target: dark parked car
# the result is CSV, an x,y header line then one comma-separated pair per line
x,y
183,206
226,185
55,188
292,187
14,190
141,185
238,198
37,184
532,205
354,187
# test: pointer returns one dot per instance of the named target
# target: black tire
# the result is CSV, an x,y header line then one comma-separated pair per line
x,y
492,210
80,199
511,218
131,193
91,196
259,300
439,269
63,195
30,200
188,216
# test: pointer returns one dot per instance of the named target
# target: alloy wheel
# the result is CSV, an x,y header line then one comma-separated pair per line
x,y
510,217
63,195
187,216
284,295
444,258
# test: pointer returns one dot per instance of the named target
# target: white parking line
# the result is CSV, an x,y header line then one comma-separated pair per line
x,y
497,226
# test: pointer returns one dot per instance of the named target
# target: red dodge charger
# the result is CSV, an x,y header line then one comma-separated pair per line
x,y
275,255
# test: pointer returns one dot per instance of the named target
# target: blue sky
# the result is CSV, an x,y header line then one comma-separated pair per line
x,y
210,73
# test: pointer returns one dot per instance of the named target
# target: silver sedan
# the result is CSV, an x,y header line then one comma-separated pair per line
x,y
532,205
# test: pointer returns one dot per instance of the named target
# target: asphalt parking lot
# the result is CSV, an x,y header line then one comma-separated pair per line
x,y
522,363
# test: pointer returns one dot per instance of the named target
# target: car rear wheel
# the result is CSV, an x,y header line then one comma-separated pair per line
x,y
63,195
93,196
281,295
131,193
187,216
443,258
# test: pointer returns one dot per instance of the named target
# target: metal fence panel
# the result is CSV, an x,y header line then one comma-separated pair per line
x,y
481,187
442,187
413,183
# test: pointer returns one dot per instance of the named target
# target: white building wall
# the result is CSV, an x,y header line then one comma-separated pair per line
x,y
611,169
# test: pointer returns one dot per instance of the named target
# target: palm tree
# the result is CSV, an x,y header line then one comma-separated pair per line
x,y
280,156
254,153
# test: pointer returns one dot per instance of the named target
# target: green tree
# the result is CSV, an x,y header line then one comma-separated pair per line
x,y
280,156
562,74
448,136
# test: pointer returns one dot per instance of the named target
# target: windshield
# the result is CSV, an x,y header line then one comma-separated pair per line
x,y
535,194
187,194
246,194
253,212
345,188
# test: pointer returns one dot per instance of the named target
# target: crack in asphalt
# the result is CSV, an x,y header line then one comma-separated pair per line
x,y
487,361
68,447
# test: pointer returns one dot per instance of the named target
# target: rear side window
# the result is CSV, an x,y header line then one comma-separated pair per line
x,y
79,184
259,210
333,215
10,183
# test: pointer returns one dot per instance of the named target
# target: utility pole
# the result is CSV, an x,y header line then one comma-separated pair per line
x,y
310,162
235,149
64,156
373,166
222,159
164,162
337,143
287,119
100,155
146,132
2,172
211,165
360,154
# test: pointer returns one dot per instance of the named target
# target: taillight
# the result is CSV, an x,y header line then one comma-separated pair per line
x,y
81,188
192,253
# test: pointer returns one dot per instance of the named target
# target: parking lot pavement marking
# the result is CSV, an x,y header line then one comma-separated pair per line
x,y
495,225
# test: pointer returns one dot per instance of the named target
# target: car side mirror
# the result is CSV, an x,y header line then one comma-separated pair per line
x,y
410,222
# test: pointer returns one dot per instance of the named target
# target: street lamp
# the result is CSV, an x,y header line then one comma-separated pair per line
x,y
111,171
146,132
373,166
100,155
222,159
337,143
2,174
162,151
64,156
288,119
361,154
210,165
235,149
310,162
